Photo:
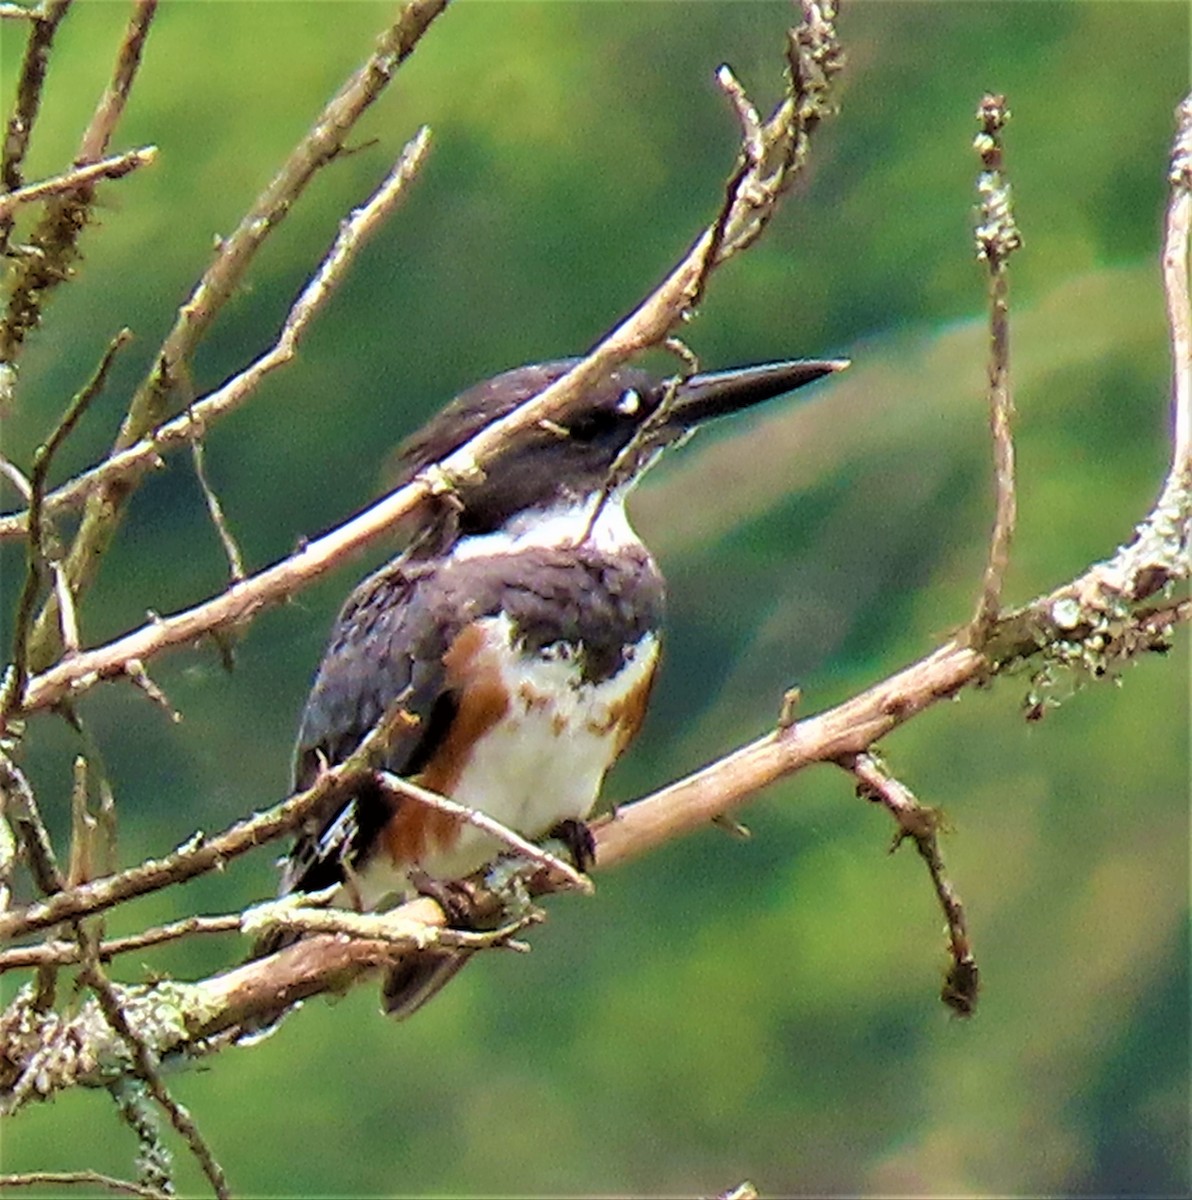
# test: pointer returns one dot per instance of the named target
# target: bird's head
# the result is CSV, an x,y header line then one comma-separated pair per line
x,y
605,441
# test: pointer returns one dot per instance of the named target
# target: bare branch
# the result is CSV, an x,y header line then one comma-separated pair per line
x,y
201,854
566,873
201,1014
67,617
150,404
54,242
10,698
115,167
392,927
182,430
1176,288
45,20
145,1066
110,108
122,1187
62,953
13,474
19,807
216,512
997,239
923,825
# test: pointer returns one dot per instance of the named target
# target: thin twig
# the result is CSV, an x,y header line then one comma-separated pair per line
x,y
98,134
67,617
201,854
1176,287
922,824
146,1067
19,806
997,238
8,854
155,1163
390,927
63,953
566,873
122,1187
43,457
135,670
82,827
13,474
149,407
146,453
18,12
216,512
44,24
115,167
53,245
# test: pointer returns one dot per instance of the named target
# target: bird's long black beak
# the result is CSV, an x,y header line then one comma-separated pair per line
x,y
718,393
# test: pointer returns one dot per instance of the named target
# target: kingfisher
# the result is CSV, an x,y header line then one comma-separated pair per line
x,y
520,629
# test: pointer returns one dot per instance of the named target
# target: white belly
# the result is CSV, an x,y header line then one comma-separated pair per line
x,y
542,763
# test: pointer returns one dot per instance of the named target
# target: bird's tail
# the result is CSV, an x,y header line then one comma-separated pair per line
x,y
419,977
406,987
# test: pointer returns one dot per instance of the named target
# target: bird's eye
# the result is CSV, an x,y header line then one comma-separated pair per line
x,y
598,422
630,402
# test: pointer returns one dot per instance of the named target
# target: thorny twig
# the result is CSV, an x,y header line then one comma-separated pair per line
x,y
997,238
139,677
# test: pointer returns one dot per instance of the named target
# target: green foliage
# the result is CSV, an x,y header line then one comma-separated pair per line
x,y
721,1010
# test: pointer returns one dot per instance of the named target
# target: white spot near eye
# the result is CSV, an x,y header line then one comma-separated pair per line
x,y
629,402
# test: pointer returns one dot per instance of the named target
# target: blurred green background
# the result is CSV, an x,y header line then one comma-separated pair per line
x,y
721,1010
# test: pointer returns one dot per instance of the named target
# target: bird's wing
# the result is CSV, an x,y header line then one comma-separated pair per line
x,y
385,646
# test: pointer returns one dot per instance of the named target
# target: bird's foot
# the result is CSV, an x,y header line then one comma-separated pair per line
x,y
581,844
460,900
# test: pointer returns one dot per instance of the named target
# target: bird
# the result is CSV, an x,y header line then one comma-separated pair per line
x,y
520,629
